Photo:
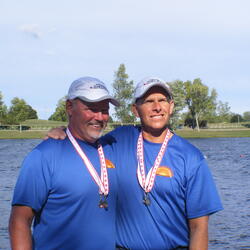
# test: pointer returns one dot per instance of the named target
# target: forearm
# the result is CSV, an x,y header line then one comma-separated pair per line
x,y
199,234
198,240
20,232
20,237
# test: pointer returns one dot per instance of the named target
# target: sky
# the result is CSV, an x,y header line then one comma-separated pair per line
x,y
46,45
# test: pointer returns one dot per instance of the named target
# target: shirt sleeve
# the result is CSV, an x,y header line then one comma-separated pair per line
x,y
34,182
202,196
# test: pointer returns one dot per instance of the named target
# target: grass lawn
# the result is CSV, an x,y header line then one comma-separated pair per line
x,y
205,133
13,134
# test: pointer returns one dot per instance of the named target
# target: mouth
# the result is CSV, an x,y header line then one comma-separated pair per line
x,y
98,126
156,116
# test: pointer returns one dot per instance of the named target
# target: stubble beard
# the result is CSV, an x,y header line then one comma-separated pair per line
x,y
96,135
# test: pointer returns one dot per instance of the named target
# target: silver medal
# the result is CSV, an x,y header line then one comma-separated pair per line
x,y
146,200
103,202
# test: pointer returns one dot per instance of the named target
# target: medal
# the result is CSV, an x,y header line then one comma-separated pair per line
x,y
147,181
103,203
146,200
102,182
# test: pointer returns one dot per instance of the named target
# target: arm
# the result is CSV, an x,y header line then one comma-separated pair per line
x,y
198,233
56,133
20,227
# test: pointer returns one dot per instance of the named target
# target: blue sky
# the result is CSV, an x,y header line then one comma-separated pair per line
x,y
45,45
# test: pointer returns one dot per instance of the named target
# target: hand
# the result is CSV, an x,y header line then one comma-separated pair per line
x,y
56,133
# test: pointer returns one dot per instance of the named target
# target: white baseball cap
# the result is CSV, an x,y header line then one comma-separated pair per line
x,y
90,89
145,84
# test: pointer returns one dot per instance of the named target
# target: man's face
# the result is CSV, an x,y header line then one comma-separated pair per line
x,y
154,110
87,120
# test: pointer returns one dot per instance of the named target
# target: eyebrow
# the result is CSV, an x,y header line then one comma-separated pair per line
x,y
141,100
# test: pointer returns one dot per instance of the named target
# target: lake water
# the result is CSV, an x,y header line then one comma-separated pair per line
x,y
228,158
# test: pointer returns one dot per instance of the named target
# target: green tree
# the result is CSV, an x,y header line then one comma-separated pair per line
x,y
236,118
198,100
20,111
60,112
32,114
123,91
110,119
246,116
223,112
178,92
3,109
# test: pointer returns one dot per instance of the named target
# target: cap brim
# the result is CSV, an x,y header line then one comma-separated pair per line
x,y
107,97
151,86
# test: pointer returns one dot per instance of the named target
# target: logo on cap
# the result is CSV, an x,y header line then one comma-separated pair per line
x,y
152,81
98,86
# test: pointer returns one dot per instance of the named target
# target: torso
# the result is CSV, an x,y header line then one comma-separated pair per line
x,y
68,198
163,224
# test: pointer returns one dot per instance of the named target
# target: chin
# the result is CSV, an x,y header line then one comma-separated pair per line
x,y
96,135
159,126
157,129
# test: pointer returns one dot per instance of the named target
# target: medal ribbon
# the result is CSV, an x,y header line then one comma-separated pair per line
x,y
102,182
147,182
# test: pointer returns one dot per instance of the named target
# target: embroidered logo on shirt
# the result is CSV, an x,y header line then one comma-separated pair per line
x,y
164,171
109,164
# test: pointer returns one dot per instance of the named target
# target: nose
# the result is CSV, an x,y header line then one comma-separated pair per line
x,y
99,116
157,106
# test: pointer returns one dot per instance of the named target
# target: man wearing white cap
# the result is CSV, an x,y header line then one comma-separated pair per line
x,y
165,189
67,188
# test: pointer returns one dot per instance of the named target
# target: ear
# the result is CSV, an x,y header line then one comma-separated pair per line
x,y
69,107
171,107
134,110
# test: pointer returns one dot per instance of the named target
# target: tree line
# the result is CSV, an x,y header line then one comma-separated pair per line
x,y
195,105
18,112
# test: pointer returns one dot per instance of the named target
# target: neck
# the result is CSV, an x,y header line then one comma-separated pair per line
x,y
74,132
156,137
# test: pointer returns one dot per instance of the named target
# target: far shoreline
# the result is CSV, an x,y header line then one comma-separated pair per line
x,y
186,133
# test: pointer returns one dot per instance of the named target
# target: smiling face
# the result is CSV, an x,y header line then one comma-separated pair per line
x,y
87,121
154,110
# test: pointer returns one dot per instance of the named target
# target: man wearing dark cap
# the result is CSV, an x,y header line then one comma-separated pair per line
x,y
165,189
67,188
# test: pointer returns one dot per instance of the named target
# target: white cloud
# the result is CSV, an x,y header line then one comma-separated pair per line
x,y
32,29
